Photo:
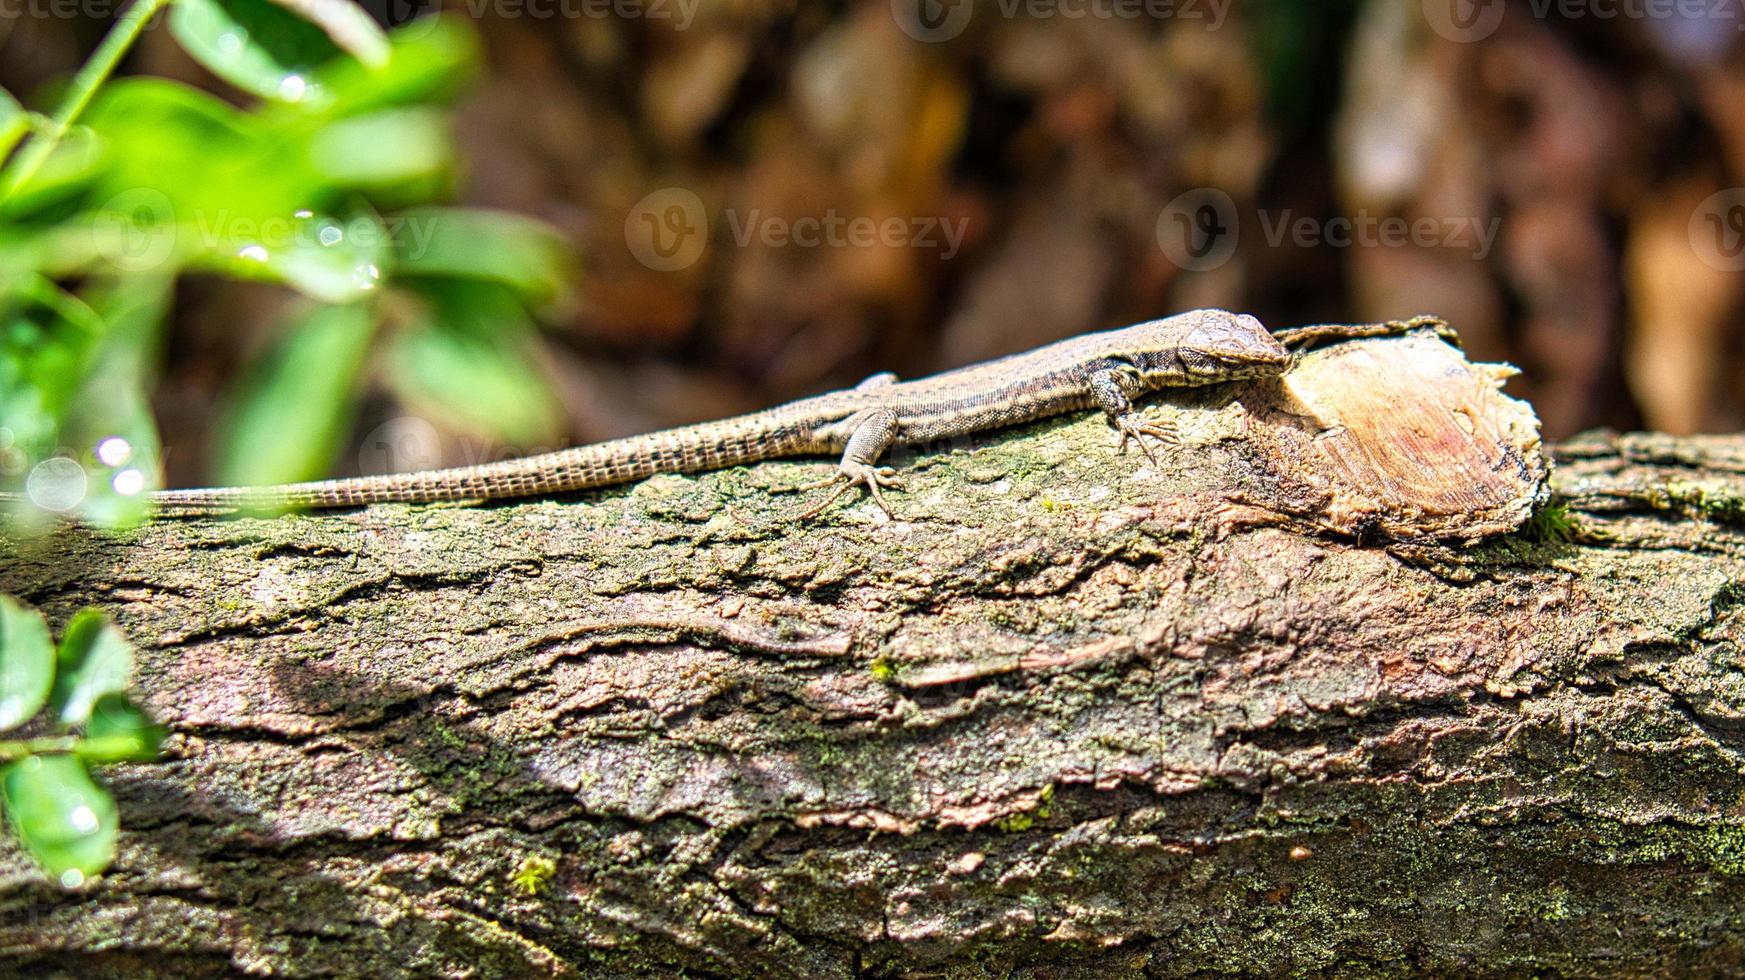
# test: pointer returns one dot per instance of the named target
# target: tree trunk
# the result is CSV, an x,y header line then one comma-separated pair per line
x,y
1310,693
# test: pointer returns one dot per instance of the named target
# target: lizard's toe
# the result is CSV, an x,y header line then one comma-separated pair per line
x,y
829,481
885,477
873,479
1136,427
878,497
850,475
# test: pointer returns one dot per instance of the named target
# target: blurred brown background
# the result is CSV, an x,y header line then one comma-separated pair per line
x,y
1558,179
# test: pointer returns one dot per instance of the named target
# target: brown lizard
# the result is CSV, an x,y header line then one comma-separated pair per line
x,y
1105,370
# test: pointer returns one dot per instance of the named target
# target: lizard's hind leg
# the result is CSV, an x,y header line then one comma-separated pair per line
x,y
874,432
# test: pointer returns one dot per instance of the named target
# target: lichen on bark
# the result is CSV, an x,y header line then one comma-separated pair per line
x,y
1223,713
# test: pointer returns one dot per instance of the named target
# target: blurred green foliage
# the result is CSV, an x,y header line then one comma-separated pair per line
x,y
328,186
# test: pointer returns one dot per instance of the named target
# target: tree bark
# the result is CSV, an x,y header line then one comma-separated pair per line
x,y
1312,693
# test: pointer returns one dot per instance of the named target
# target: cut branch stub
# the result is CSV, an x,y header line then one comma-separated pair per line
x,y
1398,436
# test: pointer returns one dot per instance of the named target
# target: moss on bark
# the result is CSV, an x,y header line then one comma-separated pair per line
x,y
1071,713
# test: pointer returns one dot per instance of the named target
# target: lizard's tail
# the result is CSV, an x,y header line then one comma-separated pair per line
x,y
688,449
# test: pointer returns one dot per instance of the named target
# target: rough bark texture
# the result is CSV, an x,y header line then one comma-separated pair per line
x,y
1072,713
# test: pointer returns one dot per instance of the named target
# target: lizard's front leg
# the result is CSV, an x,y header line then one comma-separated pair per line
x,y
874,430
1111,386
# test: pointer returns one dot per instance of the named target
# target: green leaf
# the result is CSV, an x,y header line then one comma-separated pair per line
x,y
95,659
347,25
77,374
68,309
527,255
46,339
216,173
384,148
255,45
332,259
27,663
111,414
120,731
130,232
41,361
66,821
22,251
429,60
35,364
74,163
129,111
290,415
14,123
476,342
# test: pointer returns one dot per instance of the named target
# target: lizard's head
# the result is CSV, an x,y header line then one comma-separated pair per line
x,y
1211,346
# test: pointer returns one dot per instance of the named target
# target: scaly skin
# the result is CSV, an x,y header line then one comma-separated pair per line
x,y
1105,370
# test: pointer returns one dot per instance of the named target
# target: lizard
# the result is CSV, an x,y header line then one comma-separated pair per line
x,y
1106,370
